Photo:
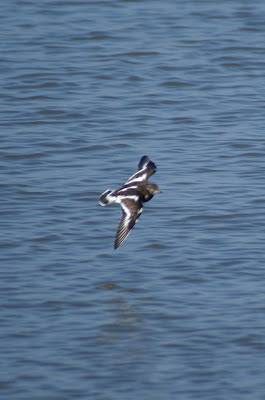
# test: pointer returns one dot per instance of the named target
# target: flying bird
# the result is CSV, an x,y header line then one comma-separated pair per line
x,y
130,196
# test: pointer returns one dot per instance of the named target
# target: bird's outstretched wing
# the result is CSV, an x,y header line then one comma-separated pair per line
x,y
146,168
130,213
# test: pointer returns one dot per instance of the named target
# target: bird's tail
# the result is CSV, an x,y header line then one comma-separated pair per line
x,y
105,198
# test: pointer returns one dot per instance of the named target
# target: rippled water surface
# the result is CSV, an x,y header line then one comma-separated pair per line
x,y
178,311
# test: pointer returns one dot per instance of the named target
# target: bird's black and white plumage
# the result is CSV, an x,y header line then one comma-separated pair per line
x,y
131,196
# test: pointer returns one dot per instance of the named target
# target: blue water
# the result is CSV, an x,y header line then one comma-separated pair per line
x,y
87,89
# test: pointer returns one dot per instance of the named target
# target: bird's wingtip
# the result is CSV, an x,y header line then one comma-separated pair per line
x,y
146,162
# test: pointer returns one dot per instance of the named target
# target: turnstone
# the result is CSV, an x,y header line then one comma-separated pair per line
x,y
131,196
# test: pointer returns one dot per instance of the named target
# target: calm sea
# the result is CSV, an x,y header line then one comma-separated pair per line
x,y
87,89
